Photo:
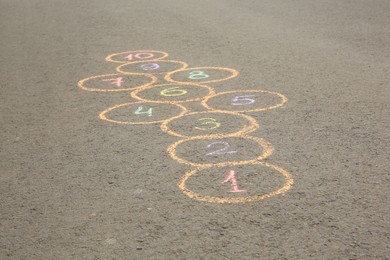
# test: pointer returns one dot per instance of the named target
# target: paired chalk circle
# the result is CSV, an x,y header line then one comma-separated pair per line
x,y
215,139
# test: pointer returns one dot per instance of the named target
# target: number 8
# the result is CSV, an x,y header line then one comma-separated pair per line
x,y
198,75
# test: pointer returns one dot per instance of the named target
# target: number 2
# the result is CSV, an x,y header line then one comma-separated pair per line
x,y
220,151
243,100
140,108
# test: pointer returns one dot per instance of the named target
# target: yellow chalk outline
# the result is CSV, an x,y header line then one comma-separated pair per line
x,y
283,98
182,186
268,149
233,71
134,94
102,115
80,84
119,68
246,129
109,57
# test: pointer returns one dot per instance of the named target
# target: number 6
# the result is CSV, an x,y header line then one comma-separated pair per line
x,y
172,92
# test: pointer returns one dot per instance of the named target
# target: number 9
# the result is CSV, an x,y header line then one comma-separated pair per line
x,y
172,92
150,66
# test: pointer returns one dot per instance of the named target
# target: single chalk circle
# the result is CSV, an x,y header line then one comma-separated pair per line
x,y
219,151
139,113
201,75
116,82
210,123
153,66
244,100
236,184
130,56
173,93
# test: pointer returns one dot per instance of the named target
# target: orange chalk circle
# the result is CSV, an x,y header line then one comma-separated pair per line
x,y
115,82
266,146
177,93
287,185
128,56
151,67
203,77
144,110
208,124
244,102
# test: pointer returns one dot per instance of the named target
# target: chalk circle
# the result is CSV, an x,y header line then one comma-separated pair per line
x,y
207,75
116,82
288,182
151,67
173,93
128,56
210,124
220,150
245,100
141,113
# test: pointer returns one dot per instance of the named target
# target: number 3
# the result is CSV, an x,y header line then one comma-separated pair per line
x,y
243,100
210,121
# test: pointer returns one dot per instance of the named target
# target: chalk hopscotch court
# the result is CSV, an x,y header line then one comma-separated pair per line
x,y
216,143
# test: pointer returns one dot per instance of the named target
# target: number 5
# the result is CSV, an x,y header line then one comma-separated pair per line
x,y
243,100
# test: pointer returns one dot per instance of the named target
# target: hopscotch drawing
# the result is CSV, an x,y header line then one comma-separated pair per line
x,y
227,162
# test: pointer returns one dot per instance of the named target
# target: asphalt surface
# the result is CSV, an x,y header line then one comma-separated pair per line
x,y
73,186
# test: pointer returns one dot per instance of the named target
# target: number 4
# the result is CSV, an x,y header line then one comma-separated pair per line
x,y
139,109
243,100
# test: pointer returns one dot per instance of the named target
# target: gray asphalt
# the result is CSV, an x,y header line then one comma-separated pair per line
x,y
73,186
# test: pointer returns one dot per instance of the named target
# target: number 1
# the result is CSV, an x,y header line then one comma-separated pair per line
x,y
233,182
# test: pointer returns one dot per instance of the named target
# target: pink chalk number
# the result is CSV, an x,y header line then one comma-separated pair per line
x,y
140,56
233,182
116,81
